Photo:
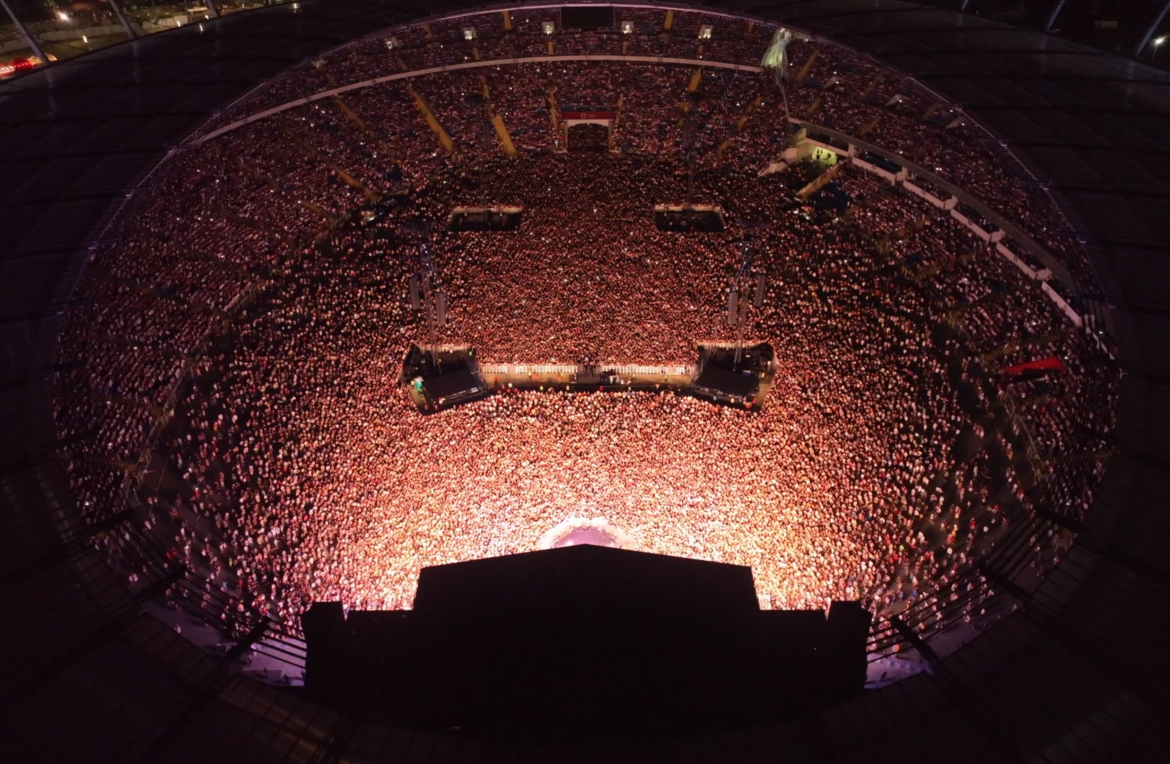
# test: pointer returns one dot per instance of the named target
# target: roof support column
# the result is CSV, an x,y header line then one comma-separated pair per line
x,y
1055,12
117,8
1150,32
28,38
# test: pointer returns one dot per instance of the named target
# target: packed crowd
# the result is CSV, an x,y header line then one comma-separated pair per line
x,y
828,85
324,483
271,319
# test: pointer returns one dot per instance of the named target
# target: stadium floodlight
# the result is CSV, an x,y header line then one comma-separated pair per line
x,y
776,56
776,59
391,43
705,32
627,27
548,26
468,33
63,15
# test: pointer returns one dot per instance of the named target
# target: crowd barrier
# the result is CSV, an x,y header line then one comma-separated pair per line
x,y
659,60
562,368
924,194
526,368
1060,303
1016,261
1054,272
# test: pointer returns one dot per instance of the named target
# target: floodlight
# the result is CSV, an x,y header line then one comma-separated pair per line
x,y
468,33
627,27
776,56
548,27
705,32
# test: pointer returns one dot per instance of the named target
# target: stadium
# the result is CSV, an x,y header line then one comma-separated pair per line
x,y
707,284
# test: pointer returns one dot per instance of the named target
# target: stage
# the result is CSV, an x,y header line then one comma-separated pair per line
x,y
717,377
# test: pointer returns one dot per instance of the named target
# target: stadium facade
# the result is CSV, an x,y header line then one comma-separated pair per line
x,y
1076,674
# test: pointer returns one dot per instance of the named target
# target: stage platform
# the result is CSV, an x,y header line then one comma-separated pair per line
x,y
581,536
699,218
586,378
584,644
448,378
723,380
717,378
485,219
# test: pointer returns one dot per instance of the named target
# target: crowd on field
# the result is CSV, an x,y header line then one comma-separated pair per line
x,y
231,356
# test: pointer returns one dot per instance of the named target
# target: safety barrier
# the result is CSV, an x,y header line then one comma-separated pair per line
x,y
562,368
1008,232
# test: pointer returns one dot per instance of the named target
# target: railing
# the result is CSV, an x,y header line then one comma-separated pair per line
x,y
459,67
1053,270
575,369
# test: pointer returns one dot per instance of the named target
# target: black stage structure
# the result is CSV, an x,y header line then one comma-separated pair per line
x,y
447,378
584,644
724,378
1079,672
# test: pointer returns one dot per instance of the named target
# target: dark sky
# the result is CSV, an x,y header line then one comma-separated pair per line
x,y
1086,21
28,10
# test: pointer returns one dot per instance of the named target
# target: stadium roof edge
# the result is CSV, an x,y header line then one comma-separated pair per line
x,y
1071,673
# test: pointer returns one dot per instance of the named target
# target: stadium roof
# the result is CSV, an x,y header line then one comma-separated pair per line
x,y
1078,674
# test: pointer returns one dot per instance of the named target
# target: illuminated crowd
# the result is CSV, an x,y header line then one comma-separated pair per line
x,y
827,85
236,366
